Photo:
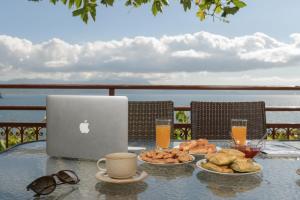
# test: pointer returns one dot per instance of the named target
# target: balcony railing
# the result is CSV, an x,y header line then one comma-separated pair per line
x,y
28,131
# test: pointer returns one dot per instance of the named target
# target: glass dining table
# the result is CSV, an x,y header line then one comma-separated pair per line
x,y
20,165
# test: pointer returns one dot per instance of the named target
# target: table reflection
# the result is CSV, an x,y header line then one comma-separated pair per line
x,y
120,191
56,195
298,182
168,172
228,186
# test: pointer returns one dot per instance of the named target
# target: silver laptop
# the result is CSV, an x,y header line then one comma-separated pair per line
x,y
86,127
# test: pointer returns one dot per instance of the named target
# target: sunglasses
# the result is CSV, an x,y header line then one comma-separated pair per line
x,y
47,184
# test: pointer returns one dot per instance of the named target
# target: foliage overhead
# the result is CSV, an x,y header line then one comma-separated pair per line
x,y
219,9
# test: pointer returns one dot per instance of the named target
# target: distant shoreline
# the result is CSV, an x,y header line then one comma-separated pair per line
x,y
179,99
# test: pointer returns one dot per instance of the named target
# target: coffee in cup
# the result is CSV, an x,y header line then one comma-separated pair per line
x,y
119,165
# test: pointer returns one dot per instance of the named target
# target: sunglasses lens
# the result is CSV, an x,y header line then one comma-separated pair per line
x,y
67,176
43,185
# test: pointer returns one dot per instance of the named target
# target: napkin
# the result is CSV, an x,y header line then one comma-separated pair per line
x,y
280,149
136,148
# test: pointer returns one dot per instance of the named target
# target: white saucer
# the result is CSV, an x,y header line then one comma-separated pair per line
x,y
102,176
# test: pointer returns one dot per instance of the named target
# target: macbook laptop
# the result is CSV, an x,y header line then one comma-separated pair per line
x,y
86,127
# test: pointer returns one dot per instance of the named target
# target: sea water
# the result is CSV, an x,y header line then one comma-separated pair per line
x,y
180,98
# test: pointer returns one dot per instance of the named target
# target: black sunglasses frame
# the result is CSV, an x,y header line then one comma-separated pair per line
x,y
72,182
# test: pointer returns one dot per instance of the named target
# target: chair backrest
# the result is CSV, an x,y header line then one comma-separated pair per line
x,y
212,120
142,115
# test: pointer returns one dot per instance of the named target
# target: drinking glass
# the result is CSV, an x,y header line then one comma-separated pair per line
x,y
163,133
239,131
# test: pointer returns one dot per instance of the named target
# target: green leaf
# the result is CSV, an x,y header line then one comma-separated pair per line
x,y
206,8
154,9
187,4
159,6
203,5
229,10
128,3
239,3
77,12
53,1
107,2
78,3
165,2
85,17
93,14
93,11
201,14
71,3
2,145
218,9
182,117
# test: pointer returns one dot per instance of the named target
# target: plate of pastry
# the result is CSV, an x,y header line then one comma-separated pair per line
x,y
198,147
166,157
229,162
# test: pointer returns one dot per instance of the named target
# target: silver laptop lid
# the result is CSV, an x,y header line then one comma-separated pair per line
x,y
86,127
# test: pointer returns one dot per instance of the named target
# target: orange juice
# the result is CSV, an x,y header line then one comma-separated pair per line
x,y
163,136
239,134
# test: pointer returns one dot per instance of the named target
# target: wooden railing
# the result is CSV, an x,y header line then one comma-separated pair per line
x,y
26,131
36,129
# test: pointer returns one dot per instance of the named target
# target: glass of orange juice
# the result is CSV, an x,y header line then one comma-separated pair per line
x,y
239,131
163,133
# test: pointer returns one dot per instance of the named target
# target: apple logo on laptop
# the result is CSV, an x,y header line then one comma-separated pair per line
x,y
84,127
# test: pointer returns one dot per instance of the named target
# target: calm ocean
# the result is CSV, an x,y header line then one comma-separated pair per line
x,y
180,98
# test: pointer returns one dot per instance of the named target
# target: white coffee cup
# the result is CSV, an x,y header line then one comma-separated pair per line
x,y
119,165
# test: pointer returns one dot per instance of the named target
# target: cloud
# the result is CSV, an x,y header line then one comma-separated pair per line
x,y
145,57
190,54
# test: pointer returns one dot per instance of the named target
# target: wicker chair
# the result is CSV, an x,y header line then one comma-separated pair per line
x,y
142,115
212,120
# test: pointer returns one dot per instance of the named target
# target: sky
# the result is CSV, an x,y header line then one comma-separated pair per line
x,y
40,42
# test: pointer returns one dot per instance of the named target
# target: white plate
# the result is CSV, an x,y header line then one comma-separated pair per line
x,y
198,164
199,154
167,164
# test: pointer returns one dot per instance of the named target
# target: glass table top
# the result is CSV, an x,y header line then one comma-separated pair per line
x,y
24,163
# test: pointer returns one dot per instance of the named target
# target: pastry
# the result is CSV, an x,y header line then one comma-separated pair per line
x,y
200,146
221,158
166,156
202,142
233,152
216,168
230,161
244,165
